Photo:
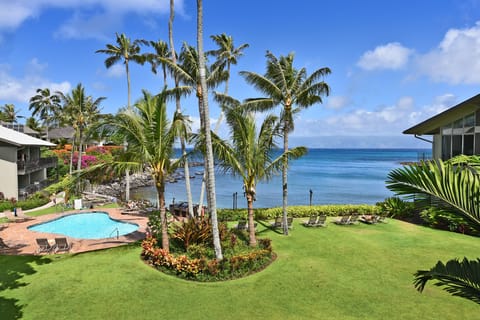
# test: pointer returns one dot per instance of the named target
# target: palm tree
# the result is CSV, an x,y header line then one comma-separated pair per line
x,y
33,124
161,50
458,189
127,51
292,89
8,113
82,111
226,55
250,154
151,137
173,55
205,124
46,105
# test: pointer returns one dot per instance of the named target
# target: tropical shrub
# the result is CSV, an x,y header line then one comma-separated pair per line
x,y
200,267
395,207
443,219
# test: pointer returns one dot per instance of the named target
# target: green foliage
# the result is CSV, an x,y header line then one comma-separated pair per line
x,y
192,231
460,278
200,263
35,200
453,186
443,219
396,207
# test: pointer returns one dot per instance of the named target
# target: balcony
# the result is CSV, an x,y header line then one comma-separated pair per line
x,y
26,167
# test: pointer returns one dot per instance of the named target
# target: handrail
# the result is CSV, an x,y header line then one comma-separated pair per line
x,y
116,229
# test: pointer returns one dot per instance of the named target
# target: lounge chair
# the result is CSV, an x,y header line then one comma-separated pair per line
x,y
61,244
241,225
353,219
43,245
344,220
321,221
312,221
277,223
369,219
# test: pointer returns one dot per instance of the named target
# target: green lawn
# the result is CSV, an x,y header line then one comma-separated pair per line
x,y
338,272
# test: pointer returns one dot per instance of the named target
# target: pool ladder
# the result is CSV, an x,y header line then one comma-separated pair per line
x,y
114,230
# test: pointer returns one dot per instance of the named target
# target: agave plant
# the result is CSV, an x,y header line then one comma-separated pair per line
x,y
460,278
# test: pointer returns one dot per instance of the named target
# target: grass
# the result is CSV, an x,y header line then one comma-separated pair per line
x,y
338,272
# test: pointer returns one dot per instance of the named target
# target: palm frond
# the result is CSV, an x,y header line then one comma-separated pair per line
x,y
460,278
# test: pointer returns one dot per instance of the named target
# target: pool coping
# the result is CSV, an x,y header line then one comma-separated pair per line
x,y
22,241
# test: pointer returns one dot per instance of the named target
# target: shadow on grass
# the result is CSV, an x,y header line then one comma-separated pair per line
x,y
12,270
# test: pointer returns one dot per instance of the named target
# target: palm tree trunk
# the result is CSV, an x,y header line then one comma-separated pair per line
x,y
71,156
186,166
127,172
251,223
160,185
284,180
205,116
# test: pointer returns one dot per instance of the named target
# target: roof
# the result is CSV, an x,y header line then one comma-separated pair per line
x,y
433,125
20,139
61,133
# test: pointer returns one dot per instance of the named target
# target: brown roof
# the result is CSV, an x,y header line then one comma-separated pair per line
x,y
433,125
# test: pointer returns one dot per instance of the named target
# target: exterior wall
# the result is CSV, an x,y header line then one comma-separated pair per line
x,y
8,171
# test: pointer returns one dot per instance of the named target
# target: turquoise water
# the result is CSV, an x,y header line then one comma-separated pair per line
x,y
335,176
91,225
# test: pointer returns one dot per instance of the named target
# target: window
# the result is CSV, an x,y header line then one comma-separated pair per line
x,y
461,137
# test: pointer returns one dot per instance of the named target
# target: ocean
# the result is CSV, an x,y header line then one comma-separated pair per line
x,y
334,176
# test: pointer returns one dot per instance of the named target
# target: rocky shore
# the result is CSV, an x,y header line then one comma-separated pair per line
x,y
117,188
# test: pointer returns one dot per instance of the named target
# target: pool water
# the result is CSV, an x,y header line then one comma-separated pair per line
x,y
91,225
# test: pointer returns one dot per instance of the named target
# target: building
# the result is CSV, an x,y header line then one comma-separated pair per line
x,y
454,131
22,169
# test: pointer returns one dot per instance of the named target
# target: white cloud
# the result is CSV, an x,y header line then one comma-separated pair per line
x,y
456,59
107,12
392,56
116,71
21,89
387,120
336,102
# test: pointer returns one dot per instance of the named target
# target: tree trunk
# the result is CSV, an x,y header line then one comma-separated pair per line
x,y
160,185
127,172
251,222
186,167
284,179
205,116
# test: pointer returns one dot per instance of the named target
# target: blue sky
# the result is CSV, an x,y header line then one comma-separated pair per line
x,y
394,63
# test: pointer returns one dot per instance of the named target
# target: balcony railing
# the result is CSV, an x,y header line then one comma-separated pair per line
x,y
25,167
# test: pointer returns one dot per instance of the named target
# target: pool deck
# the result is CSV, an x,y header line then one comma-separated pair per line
x,y
22,241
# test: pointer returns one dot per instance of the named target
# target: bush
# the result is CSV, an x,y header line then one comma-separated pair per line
x,y
395,207
33,201
443,219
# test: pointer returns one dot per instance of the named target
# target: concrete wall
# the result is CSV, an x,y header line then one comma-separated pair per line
x,y
8,178
437,147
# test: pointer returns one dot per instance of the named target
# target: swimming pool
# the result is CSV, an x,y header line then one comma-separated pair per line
x,y
89,225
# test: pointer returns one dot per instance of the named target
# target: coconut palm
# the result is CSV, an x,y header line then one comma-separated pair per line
x,y
151,138
9,113
161,50
250,154
205,124
173,55
33,124
81,111
125,51
294,90
458,189
45,105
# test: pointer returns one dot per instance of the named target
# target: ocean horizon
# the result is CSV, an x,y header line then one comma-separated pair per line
x,y
334,176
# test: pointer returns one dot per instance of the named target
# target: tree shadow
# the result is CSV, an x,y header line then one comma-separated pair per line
x,y
13,269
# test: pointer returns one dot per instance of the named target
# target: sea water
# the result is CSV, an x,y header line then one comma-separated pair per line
x,y
334,176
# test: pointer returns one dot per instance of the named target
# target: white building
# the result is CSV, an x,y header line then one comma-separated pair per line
x,y
22,169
